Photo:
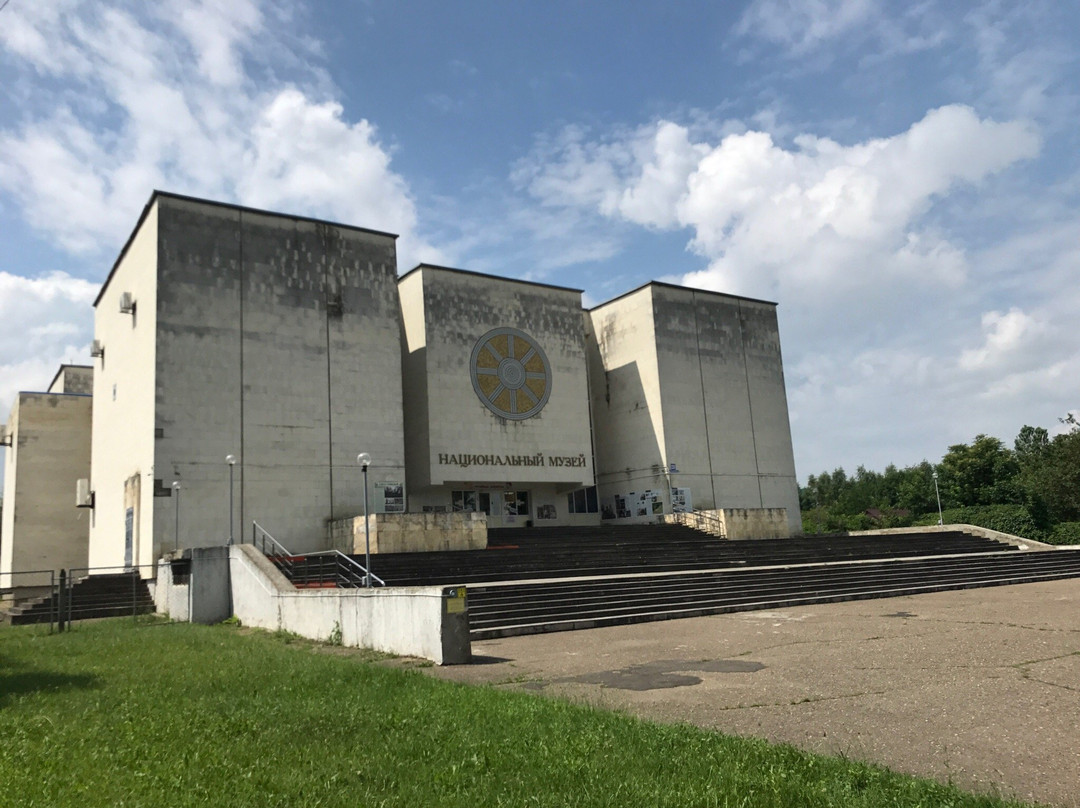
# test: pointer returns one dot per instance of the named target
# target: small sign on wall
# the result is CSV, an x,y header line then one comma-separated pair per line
x,y
681,501
389,497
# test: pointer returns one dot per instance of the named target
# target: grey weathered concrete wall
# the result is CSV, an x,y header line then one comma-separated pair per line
x,y
279,342
725,405
272,338
446,313
210,589
50,451
692,378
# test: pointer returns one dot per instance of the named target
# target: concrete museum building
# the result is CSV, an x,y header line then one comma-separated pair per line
x,y
293,345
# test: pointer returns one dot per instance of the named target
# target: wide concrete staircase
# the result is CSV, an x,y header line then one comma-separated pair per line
x,y
533,580
529,553
112,595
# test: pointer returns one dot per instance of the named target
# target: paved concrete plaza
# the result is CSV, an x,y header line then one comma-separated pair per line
x,y
979,687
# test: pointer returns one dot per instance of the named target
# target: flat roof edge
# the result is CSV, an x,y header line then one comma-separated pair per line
x,y
475,274
680,287
64,367
158,194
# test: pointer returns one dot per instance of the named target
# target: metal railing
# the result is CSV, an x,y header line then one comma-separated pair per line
x,y
705,521
119,591
313,569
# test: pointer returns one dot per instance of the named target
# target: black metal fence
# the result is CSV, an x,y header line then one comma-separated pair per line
x,y
60,597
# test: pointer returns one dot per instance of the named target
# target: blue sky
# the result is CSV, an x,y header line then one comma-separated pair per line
x,y
903,179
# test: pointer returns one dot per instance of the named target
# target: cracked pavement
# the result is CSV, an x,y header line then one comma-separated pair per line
x,y
979,687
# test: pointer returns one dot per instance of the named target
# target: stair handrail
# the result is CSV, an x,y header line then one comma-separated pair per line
x,y
697,518
350,563
261,538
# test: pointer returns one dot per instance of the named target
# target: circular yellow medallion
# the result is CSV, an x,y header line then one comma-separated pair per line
x,y
510,373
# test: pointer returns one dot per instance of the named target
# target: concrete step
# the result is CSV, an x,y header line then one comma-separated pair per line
x,y
506,609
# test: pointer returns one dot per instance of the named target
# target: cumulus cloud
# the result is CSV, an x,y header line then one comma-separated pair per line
x,y
208,101
766,215
886,311
44,322
1005,335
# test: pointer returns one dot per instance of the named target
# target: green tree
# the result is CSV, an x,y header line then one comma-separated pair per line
x,y
984,473
1055,476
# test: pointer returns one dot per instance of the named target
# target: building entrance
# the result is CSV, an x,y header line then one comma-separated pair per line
x,y
503,508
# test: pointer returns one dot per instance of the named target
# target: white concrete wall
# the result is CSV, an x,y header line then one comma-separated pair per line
x,y
50,451
626,397
122,441
445,314
396,620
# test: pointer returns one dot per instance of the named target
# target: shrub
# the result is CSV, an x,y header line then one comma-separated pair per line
x,y
1065,533
1012,519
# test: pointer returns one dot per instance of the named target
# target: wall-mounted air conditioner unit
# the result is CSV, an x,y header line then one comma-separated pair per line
x,y
5,437
96,348
84,497
127,303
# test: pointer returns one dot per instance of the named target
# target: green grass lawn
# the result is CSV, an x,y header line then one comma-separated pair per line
x,y
119,713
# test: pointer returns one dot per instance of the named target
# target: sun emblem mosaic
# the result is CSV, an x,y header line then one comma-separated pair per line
x,y
510,373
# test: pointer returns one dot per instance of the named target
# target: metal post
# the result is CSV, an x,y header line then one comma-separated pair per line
x,y
231,460
54,613
61,598
176,494
940,517
364,459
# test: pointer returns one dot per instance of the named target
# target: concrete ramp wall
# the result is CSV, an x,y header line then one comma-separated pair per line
x,y
423,621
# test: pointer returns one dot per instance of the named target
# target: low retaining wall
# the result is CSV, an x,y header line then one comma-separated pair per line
x,y
736,523
974,530
410,532
754,523
424,621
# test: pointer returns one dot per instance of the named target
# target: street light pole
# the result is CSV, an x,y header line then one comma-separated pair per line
x,y
364,460
231,460
176,494
940,518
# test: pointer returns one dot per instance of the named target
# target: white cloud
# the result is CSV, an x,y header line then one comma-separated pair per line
x,y
804,24
182,103
818,30
767,216
886,315
1005,334
44,322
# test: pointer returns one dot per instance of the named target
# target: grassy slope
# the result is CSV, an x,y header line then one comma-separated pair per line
x,y
118,714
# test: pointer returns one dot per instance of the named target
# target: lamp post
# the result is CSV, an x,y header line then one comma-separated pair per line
x,y
176,495
364,460
231,460
940,519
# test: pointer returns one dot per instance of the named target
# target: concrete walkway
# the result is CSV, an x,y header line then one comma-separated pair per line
x,y
979,687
